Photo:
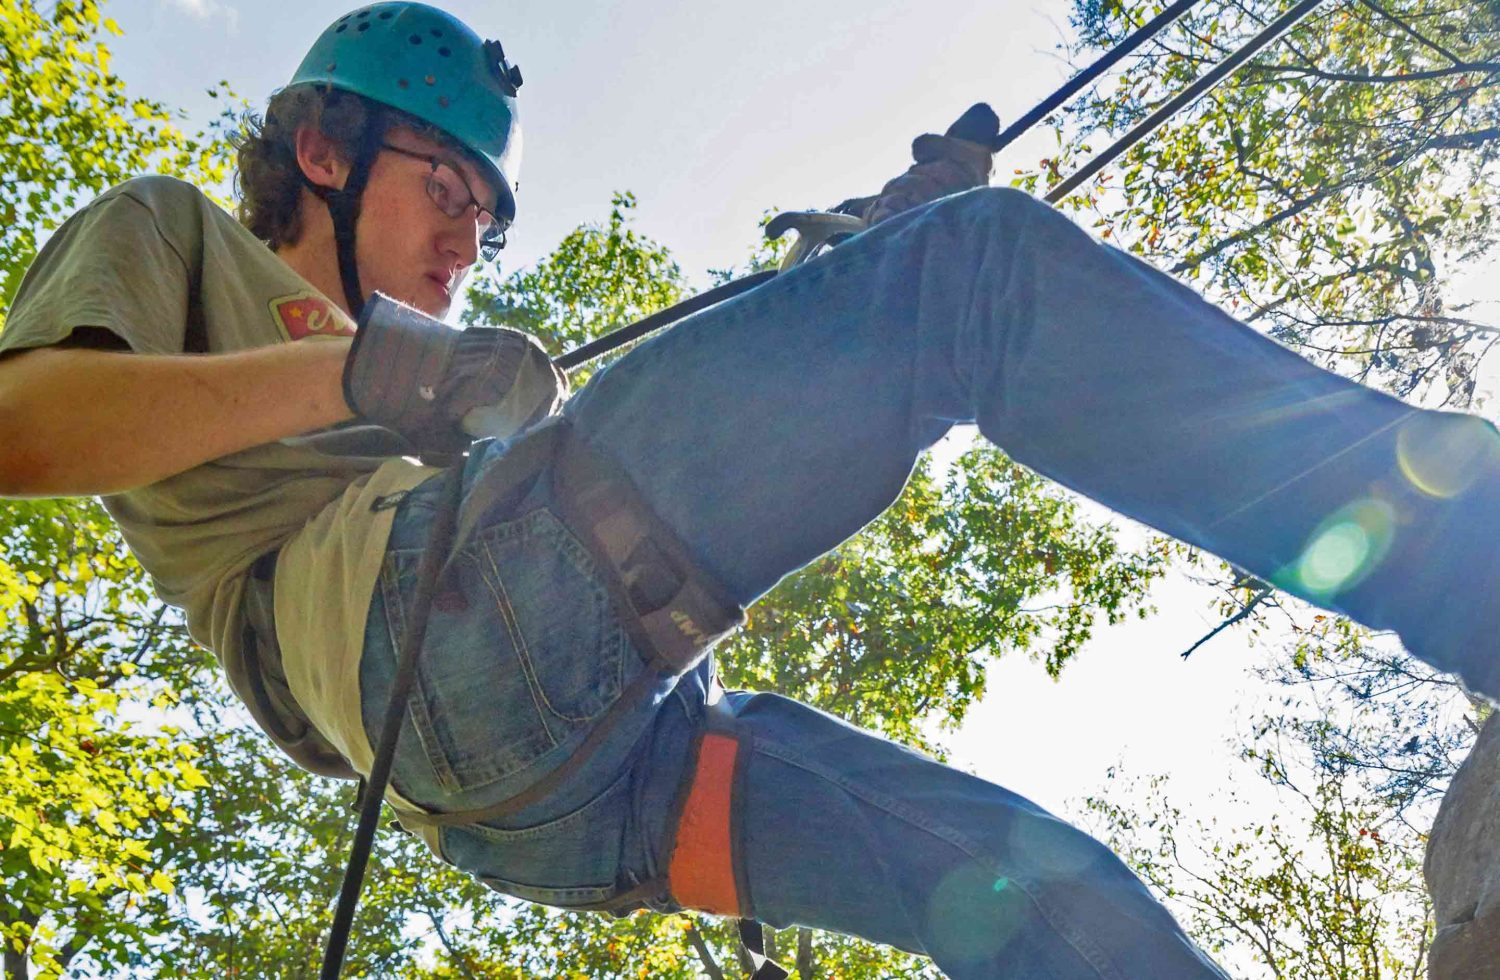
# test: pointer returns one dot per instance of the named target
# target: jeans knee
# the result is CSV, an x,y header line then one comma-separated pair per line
x,y
1002,204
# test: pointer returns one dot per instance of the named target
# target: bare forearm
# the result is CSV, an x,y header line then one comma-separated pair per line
x,y
81,422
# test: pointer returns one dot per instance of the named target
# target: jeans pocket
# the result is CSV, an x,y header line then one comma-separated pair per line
x,y
556,607
522,652
569,861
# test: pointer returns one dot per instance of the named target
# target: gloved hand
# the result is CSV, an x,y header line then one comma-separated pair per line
x,y
960,159
440,387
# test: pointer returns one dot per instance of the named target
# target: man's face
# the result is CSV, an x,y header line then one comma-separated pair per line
x,y
407,247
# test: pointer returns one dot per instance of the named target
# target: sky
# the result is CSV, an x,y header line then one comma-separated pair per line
x,y
709,112
712,113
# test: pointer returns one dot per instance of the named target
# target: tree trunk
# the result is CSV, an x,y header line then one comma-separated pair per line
x,y
17,967
705,955
804,954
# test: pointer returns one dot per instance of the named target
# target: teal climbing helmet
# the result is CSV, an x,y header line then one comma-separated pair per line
x,y
428,64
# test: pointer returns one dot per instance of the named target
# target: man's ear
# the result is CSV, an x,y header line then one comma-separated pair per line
x,y
319,159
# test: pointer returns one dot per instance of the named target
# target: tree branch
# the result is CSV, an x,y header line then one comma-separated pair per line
x,y
17,967
1228,242
459,959
1360,78
804,953
1256,600
1392,161
1416,35
1464,141
705,955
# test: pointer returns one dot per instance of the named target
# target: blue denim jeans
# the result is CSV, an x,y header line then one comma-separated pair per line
x,y
767,430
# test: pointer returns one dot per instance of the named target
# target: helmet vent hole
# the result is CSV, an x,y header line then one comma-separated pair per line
x,y
444,52
386,15
362,15
415,39
364,26
435,32
341,28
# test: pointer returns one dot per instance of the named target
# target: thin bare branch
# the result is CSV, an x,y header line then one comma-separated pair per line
x,y
1256,600
1415,34
705,955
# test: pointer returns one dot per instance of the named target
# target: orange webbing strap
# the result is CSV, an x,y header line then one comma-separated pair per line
x,y
701,871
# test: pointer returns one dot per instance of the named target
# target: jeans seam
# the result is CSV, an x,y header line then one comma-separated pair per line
x,y
817,273
548,896
416,707
1054,917
518,642
501,835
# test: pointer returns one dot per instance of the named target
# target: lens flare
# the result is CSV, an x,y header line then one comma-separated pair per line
x,y
973,915
1345,548
1442,454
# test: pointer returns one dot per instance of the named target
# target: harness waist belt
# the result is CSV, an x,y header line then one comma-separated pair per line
x,y
670,608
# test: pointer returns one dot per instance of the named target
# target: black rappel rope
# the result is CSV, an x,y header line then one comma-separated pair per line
x,y
435,553
434,558
1181,100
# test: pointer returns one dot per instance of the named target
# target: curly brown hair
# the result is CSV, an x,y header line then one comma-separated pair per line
x,y
268,180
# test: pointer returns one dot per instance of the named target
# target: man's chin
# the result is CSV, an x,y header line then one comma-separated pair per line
x,y
436,299
424,300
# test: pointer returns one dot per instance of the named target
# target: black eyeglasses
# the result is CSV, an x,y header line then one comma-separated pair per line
x,y
450,192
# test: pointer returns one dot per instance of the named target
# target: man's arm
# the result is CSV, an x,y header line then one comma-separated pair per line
x,y
80,422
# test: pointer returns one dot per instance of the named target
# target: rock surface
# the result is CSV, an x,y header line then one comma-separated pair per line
x,y
1463,867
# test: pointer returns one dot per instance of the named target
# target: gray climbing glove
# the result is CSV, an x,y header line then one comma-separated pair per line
x,y
439,387
960,159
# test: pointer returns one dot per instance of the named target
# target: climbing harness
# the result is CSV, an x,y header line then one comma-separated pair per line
x,y
671,609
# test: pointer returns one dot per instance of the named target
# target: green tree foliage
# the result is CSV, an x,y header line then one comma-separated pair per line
x,y
98,781
598,278
1330,190
259,872
1332,888
70,130
533,941
1357,743
1338,193
94,800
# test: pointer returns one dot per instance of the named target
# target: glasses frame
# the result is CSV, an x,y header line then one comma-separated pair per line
x,y
492,239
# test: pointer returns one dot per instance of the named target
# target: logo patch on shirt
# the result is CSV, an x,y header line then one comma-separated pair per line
x,y
306,314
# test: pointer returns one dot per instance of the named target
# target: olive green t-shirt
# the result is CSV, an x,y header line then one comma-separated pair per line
x,y
164,270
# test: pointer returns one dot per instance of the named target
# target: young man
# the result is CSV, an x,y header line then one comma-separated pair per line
x,y
567,742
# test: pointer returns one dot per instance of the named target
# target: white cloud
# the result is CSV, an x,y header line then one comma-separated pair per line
x,y
206,10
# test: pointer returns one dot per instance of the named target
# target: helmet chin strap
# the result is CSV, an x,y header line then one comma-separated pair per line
x,y
343,207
